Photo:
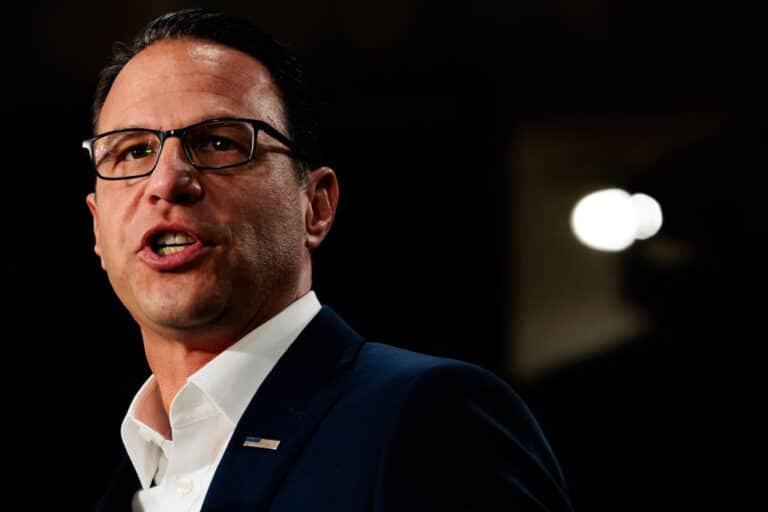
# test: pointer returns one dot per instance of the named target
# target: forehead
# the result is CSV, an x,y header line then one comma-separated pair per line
x,y
177,82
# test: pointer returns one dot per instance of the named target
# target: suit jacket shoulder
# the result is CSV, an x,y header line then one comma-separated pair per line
x,y
455,436
415,432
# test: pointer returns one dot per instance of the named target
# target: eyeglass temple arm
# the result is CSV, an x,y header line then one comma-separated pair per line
x,y
297,153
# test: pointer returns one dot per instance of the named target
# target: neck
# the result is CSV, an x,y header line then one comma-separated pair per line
x,y
174,356
172,362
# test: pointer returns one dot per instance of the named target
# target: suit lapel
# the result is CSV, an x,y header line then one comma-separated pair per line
x,y
295,396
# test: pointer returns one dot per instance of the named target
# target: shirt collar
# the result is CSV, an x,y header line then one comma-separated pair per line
x,y
228,381
142,443
232,378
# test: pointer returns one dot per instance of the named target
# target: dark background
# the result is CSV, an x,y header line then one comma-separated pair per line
x,y
462,135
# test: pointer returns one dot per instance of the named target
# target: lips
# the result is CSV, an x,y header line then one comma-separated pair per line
x,y
172,247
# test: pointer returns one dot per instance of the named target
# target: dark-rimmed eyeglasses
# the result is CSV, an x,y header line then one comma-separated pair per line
x,y
212,144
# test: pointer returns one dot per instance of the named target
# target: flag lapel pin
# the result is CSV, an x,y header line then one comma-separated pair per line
x,y
261,442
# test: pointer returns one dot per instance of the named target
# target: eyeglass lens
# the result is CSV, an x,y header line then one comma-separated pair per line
x,y
209,145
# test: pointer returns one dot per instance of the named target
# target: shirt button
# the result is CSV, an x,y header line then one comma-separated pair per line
x,y
184,486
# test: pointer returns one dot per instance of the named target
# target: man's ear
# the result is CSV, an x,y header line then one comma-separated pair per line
x,y
90,200
322,191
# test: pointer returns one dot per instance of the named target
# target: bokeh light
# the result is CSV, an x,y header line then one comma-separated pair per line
x,y
612,219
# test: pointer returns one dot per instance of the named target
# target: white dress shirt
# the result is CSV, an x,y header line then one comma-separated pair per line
x,y
175,474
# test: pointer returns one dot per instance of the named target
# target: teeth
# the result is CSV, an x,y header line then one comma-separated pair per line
x,y
165,251
171,243
177,238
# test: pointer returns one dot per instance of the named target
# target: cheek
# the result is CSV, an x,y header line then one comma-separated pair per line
x,y
271,227
112,236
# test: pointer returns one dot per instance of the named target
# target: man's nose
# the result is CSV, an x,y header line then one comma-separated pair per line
x,y
174,180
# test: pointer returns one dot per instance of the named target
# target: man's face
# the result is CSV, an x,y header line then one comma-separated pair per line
x,y
245,226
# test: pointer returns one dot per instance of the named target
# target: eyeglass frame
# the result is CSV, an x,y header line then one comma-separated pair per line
x,y
163,135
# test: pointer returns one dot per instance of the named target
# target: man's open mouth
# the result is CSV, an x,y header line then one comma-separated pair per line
x,y
171,242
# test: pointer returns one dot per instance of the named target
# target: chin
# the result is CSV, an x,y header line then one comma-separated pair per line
x,y
176,313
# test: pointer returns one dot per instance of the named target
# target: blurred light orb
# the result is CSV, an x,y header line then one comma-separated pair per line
x,y
612,219
649,217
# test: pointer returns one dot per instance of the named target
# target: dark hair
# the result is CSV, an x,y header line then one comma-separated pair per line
x,y
238,33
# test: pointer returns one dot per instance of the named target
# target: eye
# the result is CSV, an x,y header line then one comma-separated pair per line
x,y
220,144
137,152
214,143
127,146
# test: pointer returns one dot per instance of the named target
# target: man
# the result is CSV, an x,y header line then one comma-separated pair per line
x,y
208,204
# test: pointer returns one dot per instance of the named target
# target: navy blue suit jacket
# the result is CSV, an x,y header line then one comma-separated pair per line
x,y
370,427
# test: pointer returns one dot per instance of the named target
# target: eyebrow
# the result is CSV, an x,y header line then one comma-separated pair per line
x,y
199,119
